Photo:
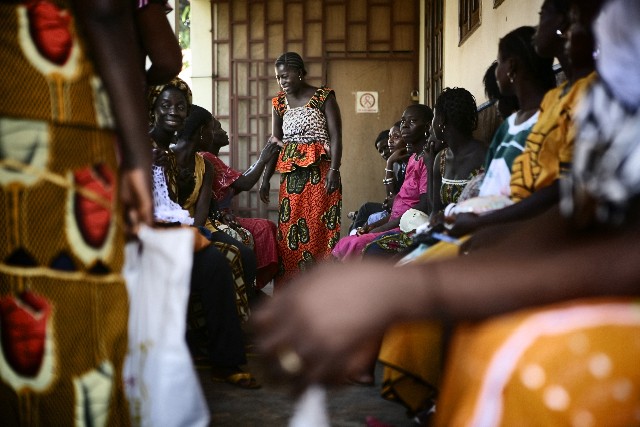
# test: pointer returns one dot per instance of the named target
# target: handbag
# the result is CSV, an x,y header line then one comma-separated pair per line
x,y
159,378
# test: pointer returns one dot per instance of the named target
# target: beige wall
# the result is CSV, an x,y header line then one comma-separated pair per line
x,y
465,65
362,167
201,61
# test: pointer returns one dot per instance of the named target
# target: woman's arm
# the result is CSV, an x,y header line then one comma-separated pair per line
x,y
159,43
463,288
389,176
368,228
334,124
434,187
247,180
535,204
270,167
201,211
389,225
109,29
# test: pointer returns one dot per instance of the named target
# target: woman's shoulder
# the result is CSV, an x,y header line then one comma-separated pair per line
x,y
325,91
279,103
320,95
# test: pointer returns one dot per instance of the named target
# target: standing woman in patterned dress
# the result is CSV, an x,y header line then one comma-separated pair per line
x,y
63,190
306,122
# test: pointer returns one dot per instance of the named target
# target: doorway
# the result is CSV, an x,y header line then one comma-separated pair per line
x,y
362,167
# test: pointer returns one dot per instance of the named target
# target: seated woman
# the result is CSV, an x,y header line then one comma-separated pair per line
x,y
395,171
545,343
455,118
416,121
212,275
505,105
535,173
187,173
412,352
209,137
525,75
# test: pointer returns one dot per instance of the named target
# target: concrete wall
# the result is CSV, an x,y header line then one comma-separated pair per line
x,y
201,52
465,65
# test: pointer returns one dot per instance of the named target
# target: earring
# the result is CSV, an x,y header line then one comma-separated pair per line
x,y
512,77
300,78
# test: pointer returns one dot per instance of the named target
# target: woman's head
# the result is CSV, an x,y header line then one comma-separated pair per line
x,y
505,104
382,145
196,126
518,59
290,71
395,138
204,130
553,23
414,126
456,108
580,38
169,105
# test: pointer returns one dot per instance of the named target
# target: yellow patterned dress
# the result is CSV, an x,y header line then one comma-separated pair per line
x,y
548,151
63,301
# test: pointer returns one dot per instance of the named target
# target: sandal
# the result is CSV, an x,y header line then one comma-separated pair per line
x,y
365,380
239,379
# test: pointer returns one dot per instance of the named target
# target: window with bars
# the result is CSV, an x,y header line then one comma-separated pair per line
x,y
433,49
469,18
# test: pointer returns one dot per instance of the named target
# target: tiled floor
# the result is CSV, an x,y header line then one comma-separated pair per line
x,y
273,405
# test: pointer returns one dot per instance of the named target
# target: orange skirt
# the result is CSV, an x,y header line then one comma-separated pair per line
x,y
574,363
309,219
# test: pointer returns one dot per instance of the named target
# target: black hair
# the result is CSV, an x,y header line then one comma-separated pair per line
x,y
458,106
197,118
519,44
561,6
382,136
491,89
291,60
589,9
425,111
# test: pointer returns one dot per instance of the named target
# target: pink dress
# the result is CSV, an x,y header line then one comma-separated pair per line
x,y
415,183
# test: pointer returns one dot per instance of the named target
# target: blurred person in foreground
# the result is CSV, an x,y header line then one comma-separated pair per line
x,y
63,188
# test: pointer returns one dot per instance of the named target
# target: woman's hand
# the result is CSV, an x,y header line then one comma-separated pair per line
x,y
328,348
463,224
397,156
332,182
270,150
362,230
161,157
387,204
229,219
137,202
265,188
433,145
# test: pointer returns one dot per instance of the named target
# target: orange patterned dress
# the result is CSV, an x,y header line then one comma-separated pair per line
x,y
309,218
63,301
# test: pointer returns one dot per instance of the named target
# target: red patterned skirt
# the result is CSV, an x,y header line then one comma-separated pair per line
x,y
309,219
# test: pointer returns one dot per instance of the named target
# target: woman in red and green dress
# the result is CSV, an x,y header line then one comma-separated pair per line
x,y
306,122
